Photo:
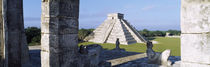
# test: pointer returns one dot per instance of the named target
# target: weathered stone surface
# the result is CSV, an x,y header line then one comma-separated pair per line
x,y
50,25
188,64
16,50
68,41
51,39
195,27
195,16
195,48
67,8
1,38
59,33
66,25
157,58
94,54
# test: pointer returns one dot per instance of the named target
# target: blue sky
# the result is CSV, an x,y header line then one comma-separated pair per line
x,y
142,14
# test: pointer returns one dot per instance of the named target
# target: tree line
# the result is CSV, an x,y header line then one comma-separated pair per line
x,y
157,33
34,34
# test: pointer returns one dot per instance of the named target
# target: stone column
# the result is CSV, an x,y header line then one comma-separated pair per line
x,y
1,38
59,33
195,38
14,39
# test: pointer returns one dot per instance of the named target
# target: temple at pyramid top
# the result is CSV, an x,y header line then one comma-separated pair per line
x,y
116,16
114,27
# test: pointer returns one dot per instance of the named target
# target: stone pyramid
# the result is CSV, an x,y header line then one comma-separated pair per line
x,y
115,27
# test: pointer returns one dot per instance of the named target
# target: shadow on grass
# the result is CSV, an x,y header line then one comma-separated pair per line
x,y
114,54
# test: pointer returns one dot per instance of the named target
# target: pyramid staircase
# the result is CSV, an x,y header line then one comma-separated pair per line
x,y
116,27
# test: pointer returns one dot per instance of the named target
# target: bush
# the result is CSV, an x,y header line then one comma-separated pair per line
x,y
84,33
147,33
33,35
174,32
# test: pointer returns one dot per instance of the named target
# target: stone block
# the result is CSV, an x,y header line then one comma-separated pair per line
x,y
50,8
68,26
54,8
45,59
187,64
195,16
68,42
68,8
50,25
49,59
195,48
50,43
69,58
45,9
59,25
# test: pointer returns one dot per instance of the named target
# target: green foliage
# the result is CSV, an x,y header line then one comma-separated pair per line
x,y
174,32
148,33
33,35
163,43
83,33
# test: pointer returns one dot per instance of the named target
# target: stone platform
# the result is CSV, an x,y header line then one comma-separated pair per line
x,y
117,58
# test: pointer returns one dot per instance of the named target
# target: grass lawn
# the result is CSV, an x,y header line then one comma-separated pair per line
x,y
164,43
168,43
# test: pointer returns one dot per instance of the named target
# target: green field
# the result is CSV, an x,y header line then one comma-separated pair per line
x,y
163,43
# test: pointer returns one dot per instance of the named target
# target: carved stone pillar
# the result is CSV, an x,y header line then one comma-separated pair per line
x,y
59,33
13,35
1,38
195,38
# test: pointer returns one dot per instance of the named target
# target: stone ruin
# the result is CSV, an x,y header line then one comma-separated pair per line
x,y
59,35
59,41
115,26
195,37
156,57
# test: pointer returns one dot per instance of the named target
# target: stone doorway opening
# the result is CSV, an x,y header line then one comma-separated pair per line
x,y
32,24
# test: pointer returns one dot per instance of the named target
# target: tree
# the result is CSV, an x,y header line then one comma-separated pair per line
x,y
84,33
145,33
159,33
33,34
148,33
174,32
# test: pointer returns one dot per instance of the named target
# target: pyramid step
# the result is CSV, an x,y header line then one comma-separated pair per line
x,y
132,41
129,38
111,29
128,35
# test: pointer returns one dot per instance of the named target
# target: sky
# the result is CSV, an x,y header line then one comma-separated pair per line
x,y
142,14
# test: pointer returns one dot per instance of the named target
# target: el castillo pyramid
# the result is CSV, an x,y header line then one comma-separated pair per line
x,y
115,26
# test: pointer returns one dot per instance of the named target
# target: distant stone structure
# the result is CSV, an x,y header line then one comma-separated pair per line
x,y
115,26
168,34
171,35
157,58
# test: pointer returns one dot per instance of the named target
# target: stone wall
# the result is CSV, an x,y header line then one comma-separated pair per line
x,y
1,38
13,39
59,33
195,27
